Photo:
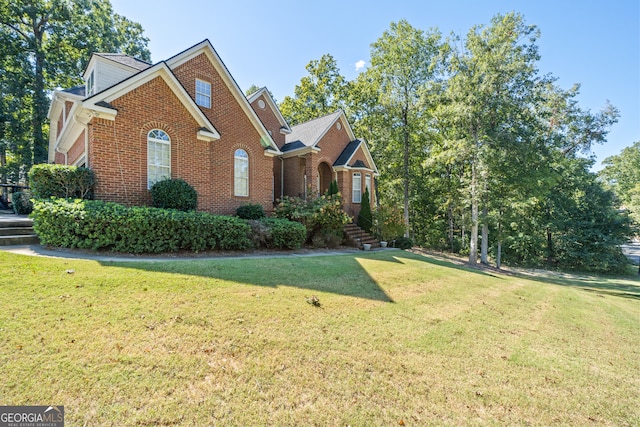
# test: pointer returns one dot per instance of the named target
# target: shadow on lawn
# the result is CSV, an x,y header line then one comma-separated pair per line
x,y
339,274
601,285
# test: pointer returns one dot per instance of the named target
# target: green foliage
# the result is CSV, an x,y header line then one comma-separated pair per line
x,y
21,202
46,44
365,218
250,211
97,225
174,194
388,222
403,242
48,180
320,215
333,189
285,234
322,92
622,174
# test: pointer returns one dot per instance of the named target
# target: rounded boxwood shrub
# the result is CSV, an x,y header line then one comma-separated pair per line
x,y
174,194
250,211
22,202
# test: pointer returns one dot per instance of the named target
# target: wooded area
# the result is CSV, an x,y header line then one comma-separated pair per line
x,y
484,154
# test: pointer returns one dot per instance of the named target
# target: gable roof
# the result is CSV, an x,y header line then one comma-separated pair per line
x,y
99,104
127,60
284,126
207,48
309,133
349,151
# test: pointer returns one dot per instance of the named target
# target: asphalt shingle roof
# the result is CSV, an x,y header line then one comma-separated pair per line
x,y
346,154
309,132
127,60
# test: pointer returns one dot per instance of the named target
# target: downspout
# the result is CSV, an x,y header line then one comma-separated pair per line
x,y
281,177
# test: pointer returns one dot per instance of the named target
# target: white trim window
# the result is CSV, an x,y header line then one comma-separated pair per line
x,y
203,93
241,173
158,157
356,188
90,84
367,184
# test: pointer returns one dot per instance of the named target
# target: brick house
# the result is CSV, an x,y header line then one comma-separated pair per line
x,y
136,123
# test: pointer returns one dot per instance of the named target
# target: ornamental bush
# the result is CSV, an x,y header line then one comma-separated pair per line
x,y
21,202
97,225
63,181
250,211
322,214
174,194
365,218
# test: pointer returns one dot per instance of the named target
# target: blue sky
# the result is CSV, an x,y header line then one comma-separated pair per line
x,y
268,43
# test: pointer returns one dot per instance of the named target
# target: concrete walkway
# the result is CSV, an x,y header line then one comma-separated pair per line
x,y
39,250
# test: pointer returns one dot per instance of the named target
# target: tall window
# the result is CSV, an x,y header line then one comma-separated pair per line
x,y
203,93
158,157
367,184
356,193
90,84
241,173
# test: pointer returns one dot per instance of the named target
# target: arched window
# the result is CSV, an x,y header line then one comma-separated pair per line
x,y
158,157
241,173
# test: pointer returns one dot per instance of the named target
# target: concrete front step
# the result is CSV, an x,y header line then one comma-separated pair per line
x,y
27,239
359,237
16,231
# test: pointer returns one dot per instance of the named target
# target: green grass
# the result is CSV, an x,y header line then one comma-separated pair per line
x,y
399,339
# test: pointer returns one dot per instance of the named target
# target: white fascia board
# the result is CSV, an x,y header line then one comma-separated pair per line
x,y
207,48
300,152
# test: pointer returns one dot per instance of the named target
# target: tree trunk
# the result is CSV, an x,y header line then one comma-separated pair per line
x,y
473,242
450,214
40,151
405,119
499,255
484,248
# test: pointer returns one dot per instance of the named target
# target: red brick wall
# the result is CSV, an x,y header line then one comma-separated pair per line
x,y
269,120
118,150
237,131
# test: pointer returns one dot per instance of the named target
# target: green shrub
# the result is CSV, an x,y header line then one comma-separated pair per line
x,y
403,242
327,238
388,222
22,204
48,180
101,225
250,211
322,213
286,234
365,219
174,194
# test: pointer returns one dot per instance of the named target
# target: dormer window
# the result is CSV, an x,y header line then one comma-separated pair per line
x,y
90,84
203,93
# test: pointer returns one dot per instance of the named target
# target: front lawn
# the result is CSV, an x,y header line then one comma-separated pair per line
x,y
397,339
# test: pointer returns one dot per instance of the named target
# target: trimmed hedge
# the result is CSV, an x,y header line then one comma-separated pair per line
x,y
48,180
174,194
88,224
285,234
250,211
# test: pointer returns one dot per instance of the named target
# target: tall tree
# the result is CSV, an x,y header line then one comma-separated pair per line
x,y
58,36
622,174
320,93
404,74
490,97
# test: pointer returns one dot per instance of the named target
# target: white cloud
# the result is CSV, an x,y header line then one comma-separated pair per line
x,y
360,65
